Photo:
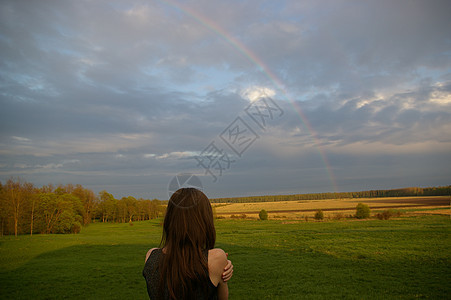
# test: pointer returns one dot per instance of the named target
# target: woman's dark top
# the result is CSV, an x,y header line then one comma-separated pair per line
x,y
152,276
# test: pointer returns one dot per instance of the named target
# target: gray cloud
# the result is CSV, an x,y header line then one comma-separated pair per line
x,y
122,95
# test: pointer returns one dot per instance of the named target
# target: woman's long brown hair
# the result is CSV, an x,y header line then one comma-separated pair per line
x,y
188,230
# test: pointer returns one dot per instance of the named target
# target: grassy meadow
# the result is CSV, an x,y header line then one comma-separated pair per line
x,y
403,258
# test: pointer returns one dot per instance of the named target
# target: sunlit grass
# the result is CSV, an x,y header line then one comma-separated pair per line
x,y
373,259
302,208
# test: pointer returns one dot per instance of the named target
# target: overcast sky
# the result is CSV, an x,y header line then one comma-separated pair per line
x,y
254,97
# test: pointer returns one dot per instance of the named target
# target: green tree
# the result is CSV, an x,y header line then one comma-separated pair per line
x,y
107,206
319,215
88,199
58,212
122,209
362,211
131,204
157,209
3,209
33,200
263,215
17,193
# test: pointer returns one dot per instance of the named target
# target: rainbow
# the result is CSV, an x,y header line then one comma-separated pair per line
x,y
253,58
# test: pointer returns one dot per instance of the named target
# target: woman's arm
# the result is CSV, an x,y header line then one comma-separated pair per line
x,y
223,291
217,261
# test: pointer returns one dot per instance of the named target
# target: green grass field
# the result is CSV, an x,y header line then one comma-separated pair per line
x,y
405,258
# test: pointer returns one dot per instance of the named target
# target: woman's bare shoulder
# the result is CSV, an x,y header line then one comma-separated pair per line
x,y
217,258
148,253
216,253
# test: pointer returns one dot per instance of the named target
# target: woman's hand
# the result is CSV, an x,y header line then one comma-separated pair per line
x,y
228,271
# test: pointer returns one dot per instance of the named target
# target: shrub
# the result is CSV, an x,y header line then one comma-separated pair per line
x,y
396,213
319,215
279,217
65,222
362,211
76,227
263,215
338,216
242,216
387,214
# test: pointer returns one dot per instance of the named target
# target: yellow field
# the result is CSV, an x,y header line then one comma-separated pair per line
x,y
333,207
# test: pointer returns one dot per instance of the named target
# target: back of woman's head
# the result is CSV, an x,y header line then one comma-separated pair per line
x,y
188,230
189,220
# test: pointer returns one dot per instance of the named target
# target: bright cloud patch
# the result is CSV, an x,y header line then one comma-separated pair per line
x,y
256,92
441,98
172,155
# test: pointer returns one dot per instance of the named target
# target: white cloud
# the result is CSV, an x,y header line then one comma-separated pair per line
x,y
21,139
441,98
50,166
177,155
254,93
21,166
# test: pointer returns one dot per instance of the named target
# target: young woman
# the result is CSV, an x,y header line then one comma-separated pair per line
x,y
187,266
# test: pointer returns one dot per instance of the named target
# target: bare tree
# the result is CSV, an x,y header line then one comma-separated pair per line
x,y
16,194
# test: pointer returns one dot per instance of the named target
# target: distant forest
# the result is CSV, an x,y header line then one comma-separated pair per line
x,y
404,192
26,209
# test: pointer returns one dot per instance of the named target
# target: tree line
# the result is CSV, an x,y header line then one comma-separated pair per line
x,y
404,192
26,209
